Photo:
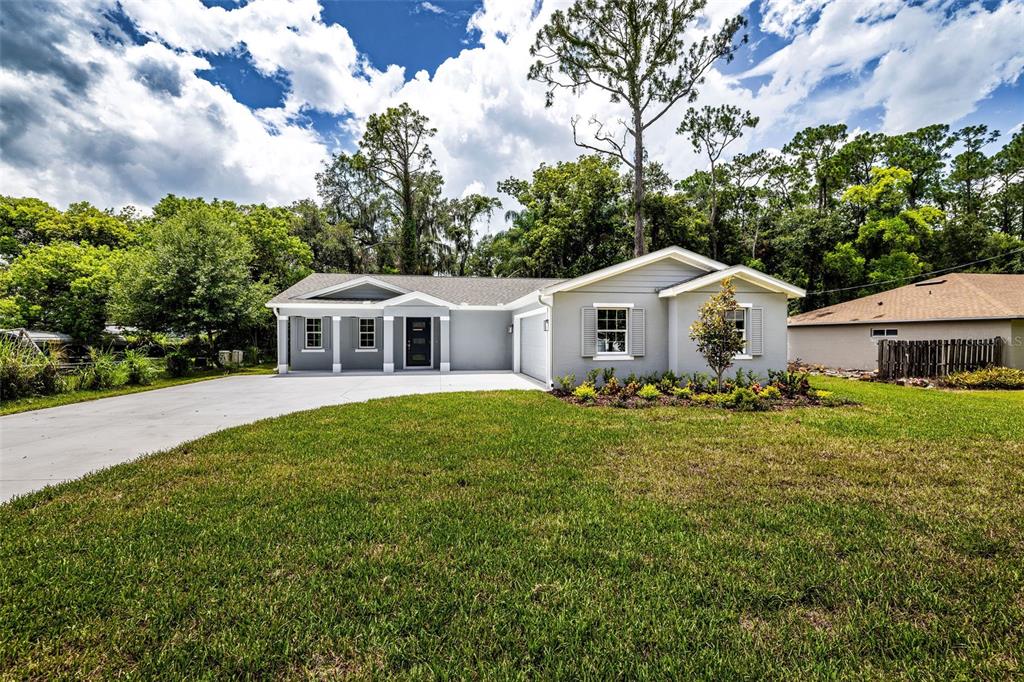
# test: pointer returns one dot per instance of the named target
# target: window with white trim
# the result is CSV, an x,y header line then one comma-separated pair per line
x,y
881,333
612,326
739,321
314,332
367,334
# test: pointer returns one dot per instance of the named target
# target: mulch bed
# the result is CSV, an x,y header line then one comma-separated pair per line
x,y
636,402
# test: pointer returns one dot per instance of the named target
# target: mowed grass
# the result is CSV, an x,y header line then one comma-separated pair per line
x,y
513,535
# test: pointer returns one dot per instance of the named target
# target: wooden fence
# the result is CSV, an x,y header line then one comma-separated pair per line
x,y
936,358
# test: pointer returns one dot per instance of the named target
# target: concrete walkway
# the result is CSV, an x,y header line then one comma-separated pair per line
x,y
48,446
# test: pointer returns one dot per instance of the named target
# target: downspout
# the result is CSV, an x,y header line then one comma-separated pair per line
x,y
550,332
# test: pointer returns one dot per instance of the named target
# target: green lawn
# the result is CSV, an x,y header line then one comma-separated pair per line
x,y
162,381
512,534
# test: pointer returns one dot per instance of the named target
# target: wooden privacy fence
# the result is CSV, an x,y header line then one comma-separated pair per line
x,y
936,358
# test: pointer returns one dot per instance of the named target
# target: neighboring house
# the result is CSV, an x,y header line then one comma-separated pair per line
x,y
634,316
953,306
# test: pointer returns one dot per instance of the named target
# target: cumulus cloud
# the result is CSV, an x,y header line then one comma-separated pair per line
x,y
115,121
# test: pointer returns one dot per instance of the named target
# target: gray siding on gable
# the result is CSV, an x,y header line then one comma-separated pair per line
x,y
647,279
480,340
363,292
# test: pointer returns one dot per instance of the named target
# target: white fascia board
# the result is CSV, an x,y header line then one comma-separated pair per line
x,y
523,300
358,281
740,272
671,252
335,309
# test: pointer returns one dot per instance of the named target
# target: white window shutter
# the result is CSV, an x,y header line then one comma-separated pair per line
x,y
756,333
637,333
589,335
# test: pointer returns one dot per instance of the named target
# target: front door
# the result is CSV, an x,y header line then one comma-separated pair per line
x,y
417,342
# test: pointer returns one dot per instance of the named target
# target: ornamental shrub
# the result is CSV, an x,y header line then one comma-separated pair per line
x,y
104,371
988,378
139,368
770,393
611,386
179,363
566,382
585,393
682,393
745,400
649,392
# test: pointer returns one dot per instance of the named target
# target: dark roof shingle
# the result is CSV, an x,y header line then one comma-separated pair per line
x,y
456,290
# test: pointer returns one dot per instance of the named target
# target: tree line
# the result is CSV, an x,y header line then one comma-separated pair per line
x,y
839,214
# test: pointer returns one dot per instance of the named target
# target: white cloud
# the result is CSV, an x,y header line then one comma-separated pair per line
x,y
432,8
118,124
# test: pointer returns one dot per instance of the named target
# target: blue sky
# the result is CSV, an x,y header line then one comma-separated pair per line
x,y
122,101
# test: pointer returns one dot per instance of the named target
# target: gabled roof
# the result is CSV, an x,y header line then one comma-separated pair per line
x,y
955,296
472,291
736,272
352,283
669,253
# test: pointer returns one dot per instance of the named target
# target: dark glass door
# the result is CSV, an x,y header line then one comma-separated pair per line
x,y
417,342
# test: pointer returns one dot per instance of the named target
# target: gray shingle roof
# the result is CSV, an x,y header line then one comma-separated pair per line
x,y
456,290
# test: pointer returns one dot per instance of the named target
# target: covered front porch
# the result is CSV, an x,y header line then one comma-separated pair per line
x,y
370,339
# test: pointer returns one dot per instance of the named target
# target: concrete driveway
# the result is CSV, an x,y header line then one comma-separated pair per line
x,y
48,446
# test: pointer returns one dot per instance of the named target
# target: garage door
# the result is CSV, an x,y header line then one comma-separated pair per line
x,y
533,347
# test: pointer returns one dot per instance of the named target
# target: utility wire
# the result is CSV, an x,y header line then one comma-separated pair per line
x,y
923,274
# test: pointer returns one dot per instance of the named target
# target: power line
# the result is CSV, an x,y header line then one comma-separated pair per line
x,y
923,274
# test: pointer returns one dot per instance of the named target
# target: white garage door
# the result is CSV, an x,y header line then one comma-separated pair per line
x,y
533,347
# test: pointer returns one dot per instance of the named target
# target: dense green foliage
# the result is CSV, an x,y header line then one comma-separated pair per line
x,y
841,216
516,535
827,212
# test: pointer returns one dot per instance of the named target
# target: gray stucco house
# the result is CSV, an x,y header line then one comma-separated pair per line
x,y
634,316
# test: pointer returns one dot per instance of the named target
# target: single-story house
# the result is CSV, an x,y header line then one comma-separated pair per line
x,y
953,306
634,316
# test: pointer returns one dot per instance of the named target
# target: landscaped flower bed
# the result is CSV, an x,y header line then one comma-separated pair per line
x,y
746,392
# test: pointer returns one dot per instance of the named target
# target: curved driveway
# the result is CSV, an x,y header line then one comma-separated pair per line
x,y
48,446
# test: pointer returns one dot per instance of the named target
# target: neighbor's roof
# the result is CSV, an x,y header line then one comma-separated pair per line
x,y
455,290
955,296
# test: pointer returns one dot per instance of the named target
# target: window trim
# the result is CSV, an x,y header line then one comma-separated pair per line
x,y
745,353
319,332
611,355
359,335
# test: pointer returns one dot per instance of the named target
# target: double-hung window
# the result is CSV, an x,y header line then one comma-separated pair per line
x,y
738,317
612,325
367,337
314,333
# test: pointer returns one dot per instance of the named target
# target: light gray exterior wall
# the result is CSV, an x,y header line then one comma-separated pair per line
x,y
850,346
1015,349
480,340
353,358
301,359
567,328
773,326
639,287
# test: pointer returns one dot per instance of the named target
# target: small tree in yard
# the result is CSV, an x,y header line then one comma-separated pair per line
x,y
715,331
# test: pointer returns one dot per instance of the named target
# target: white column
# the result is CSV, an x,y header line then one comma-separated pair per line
x,y
389,343
673,335
282,344
446,364
336,344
